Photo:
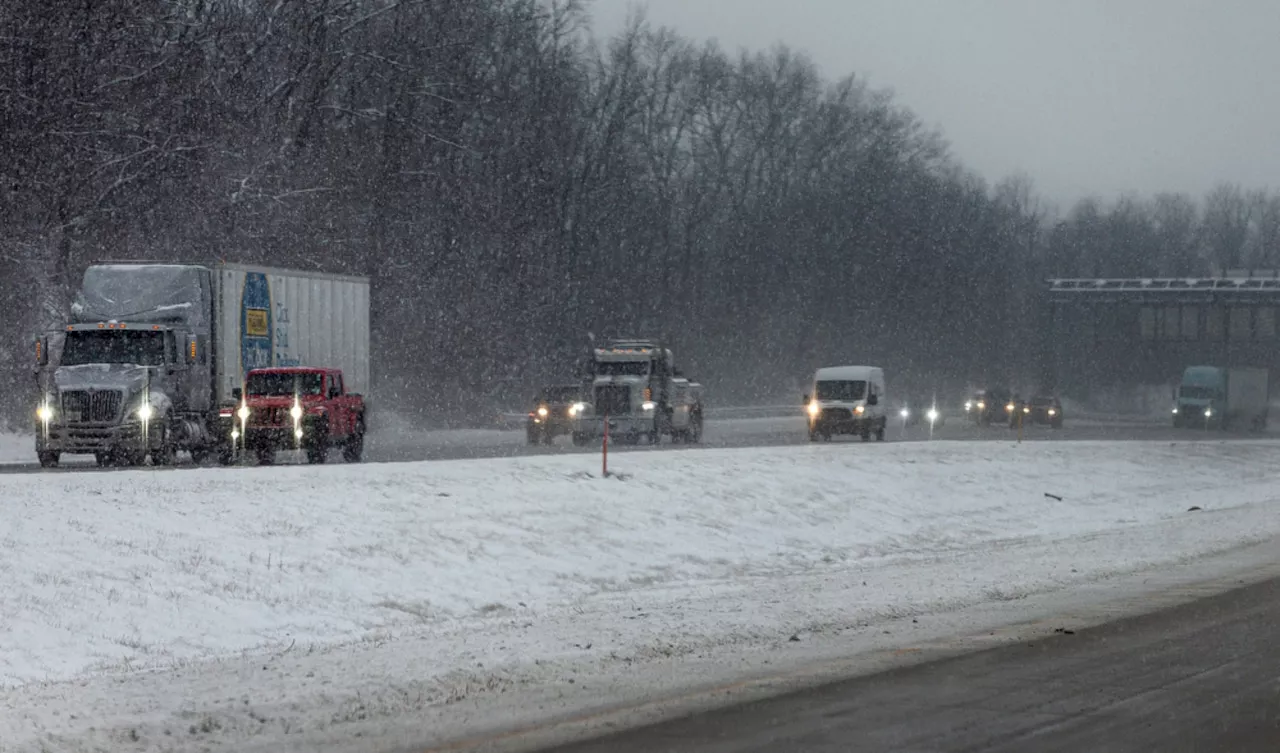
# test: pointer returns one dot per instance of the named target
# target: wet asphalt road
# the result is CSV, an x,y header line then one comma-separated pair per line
x,y
1201,677
409,446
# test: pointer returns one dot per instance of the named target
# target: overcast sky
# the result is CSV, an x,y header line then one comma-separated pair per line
x,y
1088,97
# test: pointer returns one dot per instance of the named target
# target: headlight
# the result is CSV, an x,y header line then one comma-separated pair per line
x,y
859,409
145,411
577,408
932,414
297,433
982,405
1010,407
44,413
649,405
904,413
814,408
1026,410
1207,413
243,413
968,405
1052,412
1175,410
296,412
542,411
235,434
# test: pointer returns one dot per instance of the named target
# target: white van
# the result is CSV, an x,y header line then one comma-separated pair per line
x,y
847,400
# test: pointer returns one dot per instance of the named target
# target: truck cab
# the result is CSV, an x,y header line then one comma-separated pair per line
x,y
118,390
300,408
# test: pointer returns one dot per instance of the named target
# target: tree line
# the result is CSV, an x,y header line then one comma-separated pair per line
x,y
511,183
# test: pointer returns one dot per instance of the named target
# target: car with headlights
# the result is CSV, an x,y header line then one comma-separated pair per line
x,y
1045,410
554,410
987,406
915,412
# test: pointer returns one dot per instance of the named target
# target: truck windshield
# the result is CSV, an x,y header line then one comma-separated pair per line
x,y
1192,392
283,384
841,390
622,368
141,347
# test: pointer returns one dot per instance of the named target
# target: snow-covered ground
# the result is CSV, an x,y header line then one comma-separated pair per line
x,y
16,448
330,601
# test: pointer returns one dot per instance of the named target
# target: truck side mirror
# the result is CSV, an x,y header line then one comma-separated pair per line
x,y
236,393
42,351
873,400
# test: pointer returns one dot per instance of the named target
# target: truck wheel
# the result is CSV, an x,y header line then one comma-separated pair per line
x,y
266,455
48,459
655,437
226,455
353,450
199,455
880,433
317,455
164,455
102,459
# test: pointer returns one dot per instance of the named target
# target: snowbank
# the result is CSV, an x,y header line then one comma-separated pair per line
x,y
137,569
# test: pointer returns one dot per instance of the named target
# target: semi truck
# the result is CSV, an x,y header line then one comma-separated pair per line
x,y
634,388
152,355
1222,397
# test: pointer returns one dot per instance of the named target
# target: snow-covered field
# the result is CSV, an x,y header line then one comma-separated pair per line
x,y
309,591
16,448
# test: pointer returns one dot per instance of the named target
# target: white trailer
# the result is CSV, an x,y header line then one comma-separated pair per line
x,y
282,317
1248,397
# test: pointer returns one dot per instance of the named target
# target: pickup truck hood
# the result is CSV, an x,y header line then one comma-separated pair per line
x,y
101,376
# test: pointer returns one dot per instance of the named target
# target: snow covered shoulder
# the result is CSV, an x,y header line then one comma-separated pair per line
x,y
110,573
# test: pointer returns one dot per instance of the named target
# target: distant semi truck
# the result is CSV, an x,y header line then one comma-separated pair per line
x,y
1215,396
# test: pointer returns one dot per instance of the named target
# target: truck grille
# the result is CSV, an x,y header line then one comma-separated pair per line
x,y
91,406
837,414
271,416
613,400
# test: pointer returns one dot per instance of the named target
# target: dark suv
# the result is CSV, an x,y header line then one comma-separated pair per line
x,y
553,412
1043,409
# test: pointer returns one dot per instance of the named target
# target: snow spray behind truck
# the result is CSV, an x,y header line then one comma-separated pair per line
x,y
152,353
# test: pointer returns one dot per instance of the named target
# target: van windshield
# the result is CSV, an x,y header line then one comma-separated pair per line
x,y
1197,393
841,390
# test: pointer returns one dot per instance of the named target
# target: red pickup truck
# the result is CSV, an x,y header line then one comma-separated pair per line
x,y
298,408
